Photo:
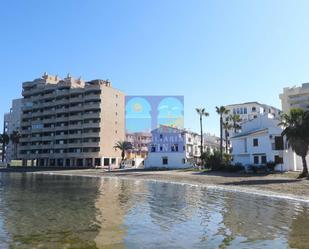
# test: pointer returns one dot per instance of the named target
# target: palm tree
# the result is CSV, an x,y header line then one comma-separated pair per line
x,y
235,122
202,113
221,111
124,146
14,137
4,139
296,124
227,126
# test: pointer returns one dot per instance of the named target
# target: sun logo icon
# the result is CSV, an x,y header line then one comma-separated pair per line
x,y
137,107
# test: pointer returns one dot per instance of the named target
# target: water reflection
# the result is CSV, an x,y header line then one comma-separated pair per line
x,y
49,211
38,211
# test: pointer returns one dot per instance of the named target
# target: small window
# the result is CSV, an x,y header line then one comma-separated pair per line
x,y
245,110
183,161
255,142
161,136
153,149
164,160
279,145
256,160
254,109
264,159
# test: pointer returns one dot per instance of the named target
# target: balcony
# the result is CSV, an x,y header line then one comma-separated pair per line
x,y
76,118
76,108
91,144
91,125
92,97
91,115
90,106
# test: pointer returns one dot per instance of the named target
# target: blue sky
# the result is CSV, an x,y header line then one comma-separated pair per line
x,y
212,52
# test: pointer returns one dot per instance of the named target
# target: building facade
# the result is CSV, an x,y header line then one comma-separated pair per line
x,y
12,121
177,148
259,142
249,111
211,142
294,97
70,122
140,142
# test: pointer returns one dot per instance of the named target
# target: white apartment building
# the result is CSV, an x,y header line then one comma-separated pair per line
x,y
71,123
294,97
211,142
251,110
259,142
12,122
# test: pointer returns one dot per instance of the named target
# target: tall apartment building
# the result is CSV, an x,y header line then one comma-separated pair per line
x,y
70,122
12,121
293,97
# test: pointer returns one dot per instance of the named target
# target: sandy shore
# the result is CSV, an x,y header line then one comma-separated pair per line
x,y
279,185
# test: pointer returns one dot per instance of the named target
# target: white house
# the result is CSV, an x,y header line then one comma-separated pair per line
x,y
172,148
259,142
176,148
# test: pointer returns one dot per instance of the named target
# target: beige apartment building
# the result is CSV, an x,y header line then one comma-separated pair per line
x,y
295,97
71,123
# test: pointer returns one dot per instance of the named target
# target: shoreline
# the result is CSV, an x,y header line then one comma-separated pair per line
x,y
278,186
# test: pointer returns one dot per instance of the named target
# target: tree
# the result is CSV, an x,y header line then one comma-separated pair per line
x,y
202,113
235,122
227,126
221,111
4,139
123,146
14,137
296,124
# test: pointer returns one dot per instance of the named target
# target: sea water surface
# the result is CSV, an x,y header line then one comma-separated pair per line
x,y
50,211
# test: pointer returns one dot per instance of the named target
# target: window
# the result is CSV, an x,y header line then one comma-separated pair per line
x,y
174,148
279,143
246,145
256,160
161,136
245,110
106,161
183,161
153,149
264,159
253,109
255,142
164,160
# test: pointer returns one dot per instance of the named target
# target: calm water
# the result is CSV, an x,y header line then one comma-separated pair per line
x,y
42,211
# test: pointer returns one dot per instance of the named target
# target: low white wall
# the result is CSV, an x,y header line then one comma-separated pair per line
x,y
292,162
175,161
